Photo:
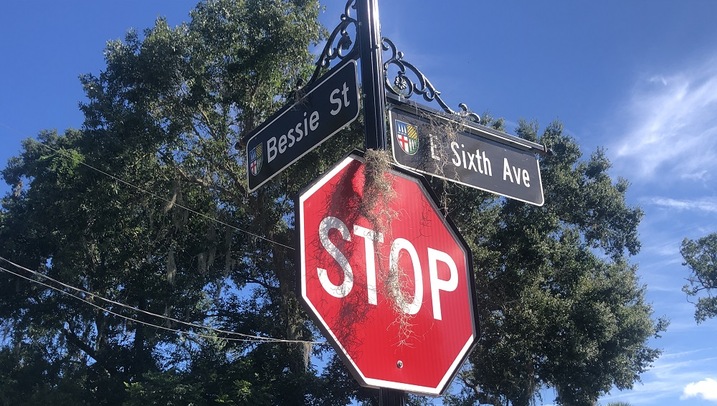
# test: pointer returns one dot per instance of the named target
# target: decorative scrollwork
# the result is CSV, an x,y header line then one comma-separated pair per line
x,y
339,44
409,80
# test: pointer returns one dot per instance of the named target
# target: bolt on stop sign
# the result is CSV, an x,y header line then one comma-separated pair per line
x,y
389,285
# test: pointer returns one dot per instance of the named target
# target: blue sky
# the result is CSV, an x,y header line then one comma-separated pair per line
x,y
637,77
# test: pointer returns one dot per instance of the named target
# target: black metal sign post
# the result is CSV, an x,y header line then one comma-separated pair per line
x,y
471,157
372,73
372,82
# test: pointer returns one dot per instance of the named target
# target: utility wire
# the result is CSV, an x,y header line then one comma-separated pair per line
x,y
166,200
244,337
117,314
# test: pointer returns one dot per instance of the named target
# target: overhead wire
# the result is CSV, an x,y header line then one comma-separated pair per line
x,y
232,335
166,200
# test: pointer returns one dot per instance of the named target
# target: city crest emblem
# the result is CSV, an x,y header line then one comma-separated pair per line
x,y
256,159
407,137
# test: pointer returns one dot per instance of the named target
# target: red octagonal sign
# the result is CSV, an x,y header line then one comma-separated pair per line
x,y
388,282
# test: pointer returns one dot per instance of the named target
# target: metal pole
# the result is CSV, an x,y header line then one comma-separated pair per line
x,y
374,105
391,397
372,77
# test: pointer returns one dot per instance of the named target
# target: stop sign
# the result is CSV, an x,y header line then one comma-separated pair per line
x,y
390,285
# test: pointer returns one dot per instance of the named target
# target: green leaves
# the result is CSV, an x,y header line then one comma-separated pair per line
x,y
701,258
146,206
559,304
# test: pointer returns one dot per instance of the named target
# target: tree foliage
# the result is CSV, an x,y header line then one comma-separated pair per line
x,y
146,206
145,211
701,258
559,304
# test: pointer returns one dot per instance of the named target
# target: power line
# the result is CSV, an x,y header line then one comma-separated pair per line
x,y
166,200
244,337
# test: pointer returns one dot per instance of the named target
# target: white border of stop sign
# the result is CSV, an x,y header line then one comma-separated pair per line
x,y
437,285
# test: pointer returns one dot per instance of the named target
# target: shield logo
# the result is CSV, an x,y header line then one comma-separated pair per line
x,y
256,159
407,137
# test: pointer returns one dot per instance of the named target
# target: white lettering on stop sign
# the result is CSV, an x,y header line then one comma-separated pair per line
x,y
356,275
370,237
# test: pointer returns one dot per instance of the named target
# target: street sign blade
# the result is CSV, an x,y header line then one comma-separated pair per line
x,y
468,154
295,130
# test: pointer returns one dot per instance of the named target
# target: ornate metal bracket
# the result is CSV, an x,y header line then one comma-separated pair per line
x,y
339,44
409,80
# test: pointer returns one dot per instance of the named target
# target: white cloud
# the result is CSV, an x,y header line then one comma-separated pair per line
x,y
706,389
658,79
671,131
668,378
708,205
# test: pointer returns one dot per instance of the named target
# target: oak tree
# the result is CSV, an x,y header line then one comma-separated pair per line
x,y
701,258
138,269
